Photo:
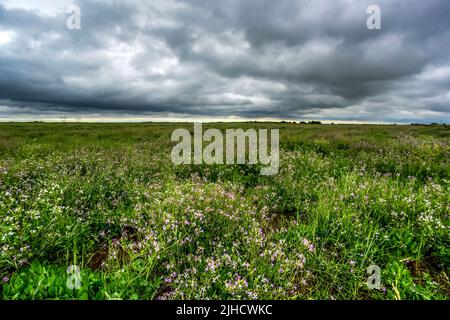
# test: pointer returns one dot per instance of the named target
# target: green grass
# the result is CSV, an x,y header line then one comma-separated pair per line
x,y
107,198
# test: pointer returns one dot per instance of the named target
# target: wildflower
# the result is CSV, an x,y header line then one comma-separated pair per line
x,y
5,279
24,248
212,265
168,280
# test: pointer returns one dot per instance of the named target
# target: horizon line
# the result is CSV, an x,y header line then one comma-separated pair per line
x,y
309,121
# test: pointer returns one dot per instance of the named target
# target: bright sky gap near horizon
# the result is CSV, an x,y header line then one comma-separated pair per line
x,y
225,60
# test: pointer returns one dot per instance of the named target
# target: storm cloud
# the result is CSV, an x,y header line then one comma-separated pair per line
x,y
285,59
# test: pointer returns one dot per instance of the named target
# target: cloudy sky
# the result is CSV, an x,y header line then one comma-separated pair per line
x,y
226,59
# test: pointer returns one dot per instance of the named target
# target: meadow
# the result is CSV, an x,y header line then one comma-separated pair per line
x,y
107,198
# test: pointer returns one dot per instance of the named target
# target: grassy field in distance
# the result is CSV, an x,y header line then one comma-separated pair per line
x,y
107,198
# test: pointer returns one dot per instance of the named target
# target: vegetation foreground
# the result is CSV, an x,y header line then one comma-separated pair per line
x,y
107,198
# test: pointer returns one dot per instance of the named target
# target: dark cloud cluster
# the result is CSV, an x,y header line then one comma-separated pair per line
x,y
285,59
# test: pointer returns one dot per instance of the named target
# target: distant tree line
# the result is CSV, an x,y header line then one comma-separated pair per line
x,y
303,122
429,124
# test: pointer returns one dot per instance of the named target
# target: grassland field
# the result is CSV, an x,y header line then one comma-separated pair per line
x,y
107,198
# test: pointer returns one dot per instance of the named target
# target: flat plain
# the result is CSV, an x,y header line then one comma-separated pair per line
x,y
108,199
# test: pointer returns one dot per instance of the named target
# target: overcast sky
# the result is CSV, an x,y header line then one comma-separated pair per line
x,y
226,59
